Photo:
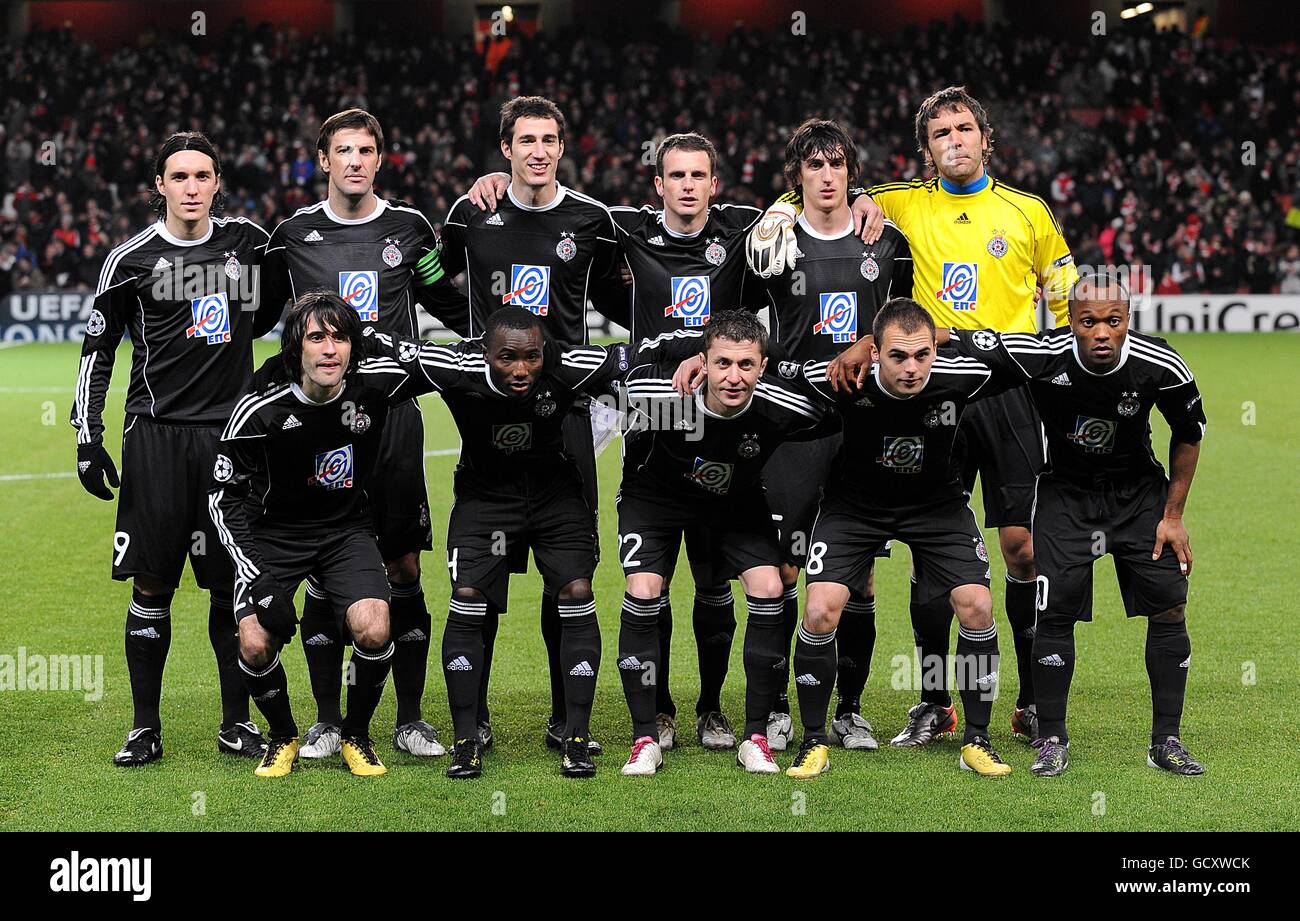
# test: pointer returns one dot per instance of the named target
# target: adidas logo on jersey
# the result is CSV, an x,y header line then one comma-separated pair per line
x,y
161,265
582,670
962,219
291,423
1053,660
656,241
266,602
630,664
495,221
83,466
1186,663
319,639
413,636
807,680
780,665
149,633
459,664
1062,379
313,237
865,401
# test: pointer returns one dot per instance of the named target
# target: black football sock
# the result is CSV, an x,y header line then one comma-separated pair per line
x,y
148,637
762,656
369,670
1053,670
580,659
931,625
664,702
638,662
223,634
856,641
411,626
322,644
269,688
1169,658
714,620
814,677
551,637
463,656
789,623
977,678
491,622
1022,614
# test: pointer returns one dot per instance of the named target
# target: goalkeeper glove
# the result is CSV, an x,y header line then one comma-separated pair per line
x,y
274,609
771,245
93,465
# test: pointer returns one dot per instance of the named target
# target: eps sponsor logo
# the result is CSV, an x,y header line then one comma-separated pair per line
x,y
211,316
691,298
1095,436
837,316
903,453
334,469
960,285
530,287
361,290
715,476
512,437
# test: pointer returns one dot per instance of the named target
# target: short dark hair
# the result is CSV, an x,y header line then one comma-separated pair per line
x,y
736,326
688,141
332,312
349,118
819,136
511,317
950,98
185,140
904,313
1093,285
528,107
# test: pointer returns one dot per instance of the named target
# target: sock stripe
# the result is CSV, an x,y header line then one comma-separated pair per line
x,y
315,591
790,591
978,636
404,589
1014,581
815,639
373,655
149,613
859,607
248,669
468,608
717,601
578,608
640,607
764,607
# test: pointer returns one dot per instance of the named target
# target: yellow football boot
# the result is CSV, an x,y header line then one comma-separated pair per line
x,y
814,758
979,756
359,753
280,757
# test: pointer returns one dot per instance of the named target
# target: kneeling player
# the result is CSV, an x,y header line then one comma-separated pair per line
x,y
697,462
290,502
1095,385
516,488
896,480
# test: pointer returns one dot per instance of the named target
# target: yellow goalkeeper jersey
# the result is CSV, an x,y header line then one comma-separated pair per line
x,y
980,252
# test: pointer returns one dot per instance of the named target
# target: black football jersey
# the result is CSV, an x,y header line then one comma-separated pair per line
x,y
298,467
545,259
898,451
382,264
675,446
831,297
678,281
188,307
1098,425
502,437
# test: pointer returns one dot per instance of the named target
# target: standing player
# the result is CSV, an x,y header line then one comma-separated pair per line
x,y
697,462
682,261
896,480
515,489
981,251
381,257
185,288
544,250
1095,386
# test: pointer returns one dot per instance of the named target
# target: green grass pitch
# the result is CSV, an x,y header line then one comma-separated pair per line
x,y
55,746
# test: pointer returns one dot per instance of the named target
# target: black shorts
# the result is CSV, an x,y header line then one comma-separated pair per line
x,y
345,566
1075,525
724,538
399,501
162,508
581,447
494,525
947,547
1002,438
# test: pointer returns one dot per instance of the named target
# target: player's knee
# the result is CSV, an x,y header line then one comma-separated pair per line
x,y
468,594
1017,546
763,582
256,646
645,586
404,570
870,590
577,590
1175,615
973,606
150,586
368,621
821,614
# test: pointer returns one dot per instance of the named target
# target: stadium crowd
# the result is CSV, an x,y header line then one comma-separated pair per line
x,y
1135,138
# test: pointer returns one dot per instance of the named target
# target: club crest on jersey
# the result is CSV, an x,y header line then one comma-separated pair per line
x,y
544,406
997,245
360,422
1095,436
361,290
838,316
567,248
931,419
903,453
748,447
714,476
691,297
788,369
715,252
530,287
1129,404
233,268
980,550
870,269
392,256
223,469
512,437
96,324
211,319
334,469
960,289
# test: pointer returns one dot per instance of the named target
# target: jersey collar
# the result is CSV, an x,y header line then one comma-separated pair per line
x,y
699,404
379,209
303,398
970,188
177,241
807,228
1123,357
875,375
559,197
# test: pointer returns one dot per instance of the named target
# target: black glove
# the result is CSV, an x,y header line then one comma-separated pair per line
x,y
93,465
273,607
